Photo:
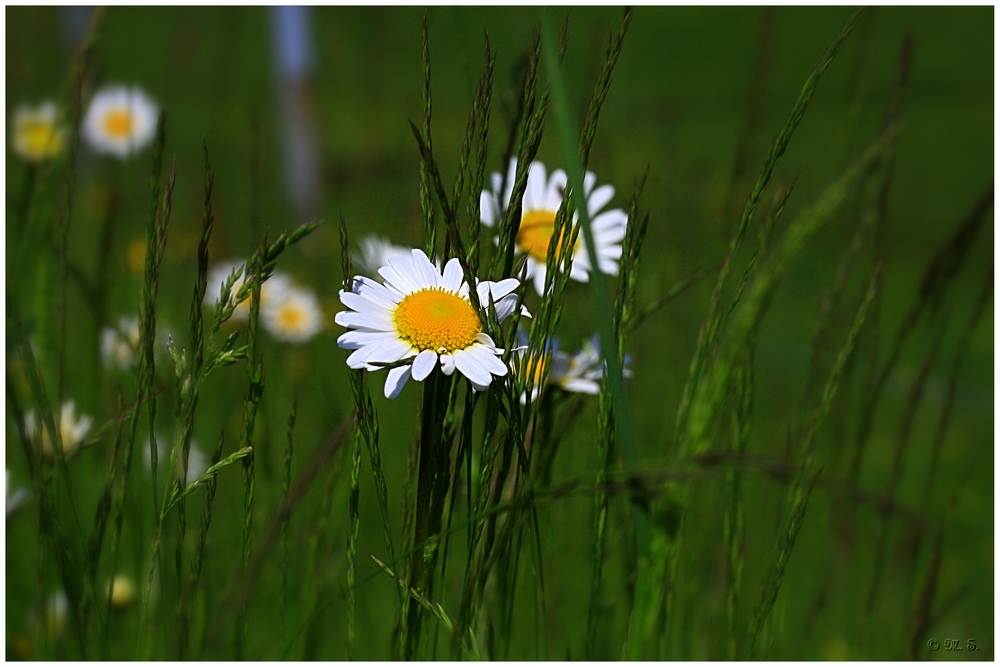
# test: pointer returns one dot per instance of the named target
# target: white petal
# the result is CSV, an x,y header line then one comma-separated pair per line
x,y
505,307
347,318
540,279
488,208
374,291
447,364
396,380
355,339
362,304
471,368
609,219
430,275
484,339
386,352
556,190
599,198
534,195
589,181
608,237
582,386
423,364
609,252
393,278
452,280
488,359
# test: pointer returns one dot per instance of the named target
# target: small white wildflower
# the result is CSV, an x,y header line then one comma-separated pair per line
x,y
120,121
294,316
35,135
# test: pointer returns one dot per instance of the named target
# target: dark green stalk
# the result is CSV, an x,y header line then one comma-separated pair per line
x,y
289,450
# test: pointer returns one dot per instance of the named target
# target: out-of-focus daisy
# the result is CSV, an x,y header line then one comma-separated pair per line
x,y
14,499
541,202
122,590
197,461
423,314
580,373
294,316
121,120
35,135
72,431
375,253
119,345
270,290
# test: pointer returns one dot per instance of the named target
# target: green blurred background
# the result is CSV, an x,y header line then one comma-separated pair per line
x,y
679,104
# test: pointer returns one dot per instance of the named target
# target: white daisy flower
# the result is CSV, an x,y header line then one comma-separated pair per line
x,y
294,317
119,345
541,202
271,289
14,499
423,314
35,135
580,373
197,461
72,431
120,121
375,253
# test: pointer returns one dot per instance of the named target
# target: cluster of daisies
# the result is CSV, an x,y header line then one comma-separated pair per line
x,y
420,315
120,121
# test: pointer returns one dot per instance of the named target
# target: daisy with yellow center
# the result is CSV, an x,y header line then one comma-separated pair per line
x,y
542,199
423,316
271,290
294,317
72,431
580,373
35,135
120,121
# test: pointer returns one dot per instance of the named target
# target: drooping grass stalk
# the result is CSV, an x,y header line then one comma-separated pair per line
x,y
255,389
352,536
712,323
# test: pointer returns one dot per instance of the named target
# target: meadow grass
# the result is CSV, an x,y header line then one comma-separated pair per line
x,y
707,509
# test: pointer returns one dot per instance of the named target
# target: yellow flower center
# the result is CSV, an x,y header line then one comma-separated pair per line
x,y
38,138
536,232
291,318
434,319
118,123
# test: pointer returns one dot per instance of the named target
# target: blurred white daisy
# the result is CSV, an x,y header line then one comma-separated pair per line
x,y
35,135
422,314
72,431
580,373
197,461
14,499
294,316
541,202
270,290
375,253
120,120
119,344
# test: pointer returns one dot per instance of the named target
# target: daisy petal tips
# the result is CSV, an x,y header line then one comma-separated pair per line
x,y
420,317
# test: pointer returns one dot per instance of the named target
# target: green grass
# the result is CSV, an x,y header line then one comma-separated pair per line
x,y
799,467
